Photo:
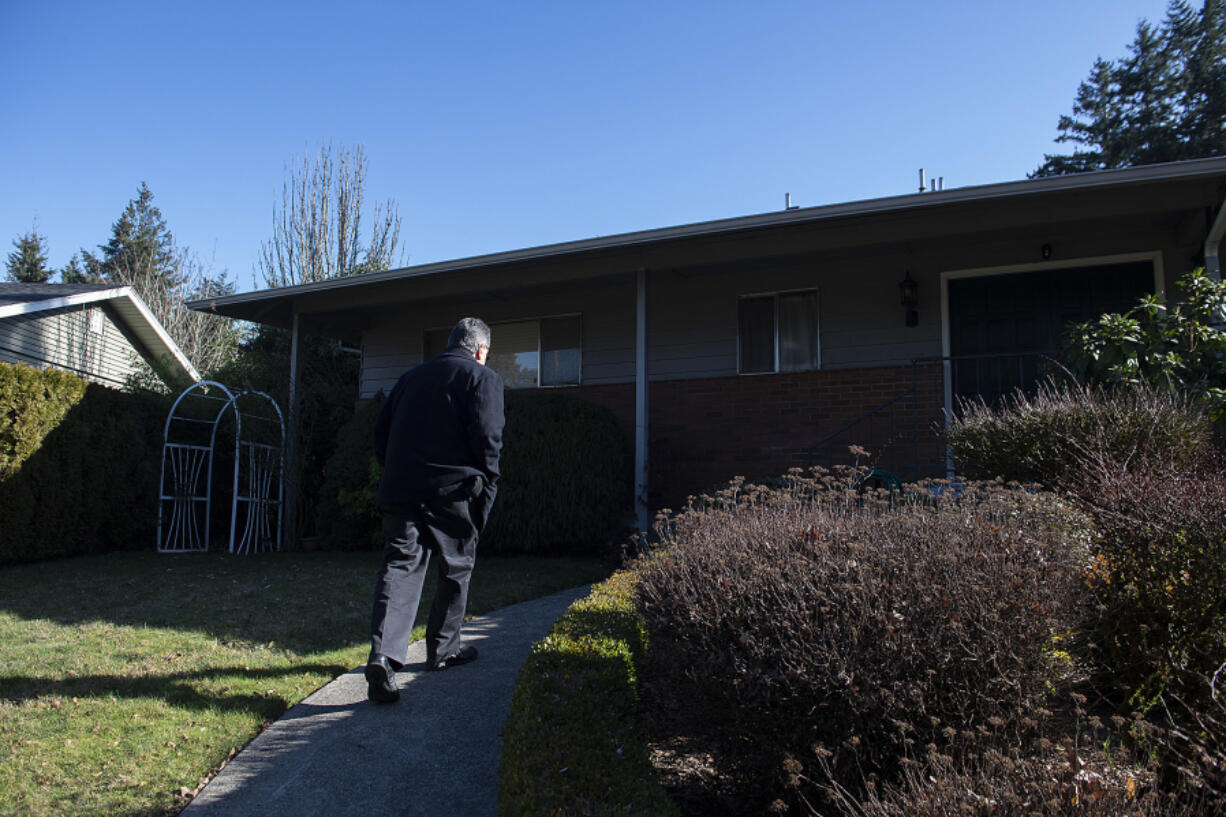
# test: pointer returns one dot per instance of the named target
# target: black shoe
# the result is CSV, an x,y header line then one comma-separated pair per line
x,y
465,655
381,680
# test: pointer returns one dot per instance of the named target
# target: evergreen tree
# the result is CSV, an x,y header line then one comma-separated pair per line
x,y
74,273
142,254
141,247
27,263
1164,102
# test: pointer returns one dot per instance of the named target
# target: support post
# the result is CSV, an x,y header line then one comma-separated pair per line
x,y
640,403
290,509
1213,245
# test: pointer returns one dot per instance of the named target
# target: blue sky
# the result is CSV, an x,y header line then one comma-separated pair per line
x,y
499,126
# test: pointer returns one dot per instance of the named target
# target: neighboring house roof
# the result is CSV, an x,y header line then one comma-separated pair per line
x,y
276,306
153,341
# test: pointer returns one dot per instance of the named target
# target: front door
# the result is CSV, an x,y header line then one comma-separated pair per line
x,y
1004,329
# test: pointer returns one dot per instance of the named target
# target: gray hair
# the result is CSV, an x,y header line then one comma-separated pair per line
x,y
469,334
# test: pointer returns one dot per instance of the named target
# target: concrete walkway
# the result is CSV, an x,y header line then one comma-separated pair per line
x,y
435,753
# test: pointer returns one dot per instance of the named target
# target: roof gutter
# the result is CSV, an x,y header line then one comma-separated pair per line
x,y
1082,181
76,299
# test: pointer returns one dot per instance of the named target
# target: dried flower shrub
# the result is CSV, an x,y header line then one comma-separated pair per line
x,y
1159,572
1051,435
1193,740
1055,783
829,628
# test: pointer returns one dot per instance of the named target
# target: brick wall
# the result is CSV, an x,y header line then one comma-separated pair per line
x,y
704,432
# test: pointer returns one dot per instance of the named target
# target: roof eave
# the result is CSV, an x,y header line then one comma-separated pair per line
x,y
912,201
137,318
149,330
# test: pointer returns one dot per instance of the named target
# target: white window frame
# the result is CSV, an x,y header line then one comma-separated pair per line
x,y
774,296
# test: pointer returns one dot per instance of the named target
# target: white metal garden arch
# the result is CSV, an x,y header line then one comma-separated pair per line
x,y
186,487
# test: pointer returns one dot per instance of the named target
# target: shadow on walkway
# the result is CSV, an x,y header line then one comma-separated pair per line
x,y
435,752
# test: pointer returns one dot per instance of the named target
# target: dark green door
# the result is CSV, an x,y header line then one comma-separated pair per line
x,y
1002,327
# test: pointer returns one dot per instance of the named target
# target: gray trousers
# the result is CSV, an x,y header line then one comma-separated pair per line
x,y
441,526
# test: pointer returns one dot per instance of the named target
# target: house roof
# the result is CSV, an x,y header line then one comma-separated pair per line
x,y
276,306
141,324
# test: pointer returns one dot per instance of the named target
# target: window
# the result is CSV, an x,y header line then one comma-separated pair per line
x,y
514,353
778,332
560,351
527,354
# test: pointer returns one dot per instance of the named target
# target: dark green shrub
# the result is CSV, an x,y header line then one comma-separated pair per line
x,y
1169,346
328,383
1057,432
815,625
33,402
79,466
572,743
565,479
565,476
347,517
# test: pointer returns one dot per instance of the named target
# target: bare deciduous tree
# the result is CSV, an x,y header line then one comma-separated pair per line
x,y
317,227
208,341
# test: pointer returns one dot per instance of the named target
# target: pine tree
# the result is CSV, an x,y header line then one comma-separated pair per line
x,y
141,247
74,273
1164,102
27,263
142,254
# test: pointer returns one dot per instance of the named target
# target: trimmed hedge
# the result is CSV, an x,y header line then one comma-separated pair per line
x,y
347,518
572,743
565,479
79,465
565,476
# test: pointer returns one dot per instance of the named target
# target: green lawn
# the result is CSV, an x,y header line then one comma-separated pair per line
x,y
128,677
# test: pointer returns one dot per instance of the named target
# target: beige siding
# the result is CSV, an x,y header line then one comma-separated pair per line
x,y
693,315
393,343
65,339
692,311
693,325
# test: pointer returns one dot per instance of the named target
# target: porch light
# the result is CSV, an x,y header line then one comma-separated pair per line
x,y
910,298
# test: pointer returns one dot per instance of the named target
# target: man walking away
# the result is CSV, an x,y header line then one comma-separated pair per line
x,y
438,437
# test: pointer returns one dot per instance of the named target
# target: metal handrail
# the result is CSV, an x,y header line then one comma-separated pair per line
x,y
826,441
865,416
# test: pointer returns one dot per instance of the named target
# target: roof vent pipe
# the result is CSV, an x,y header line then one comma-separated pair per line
x,y
921,180
787,202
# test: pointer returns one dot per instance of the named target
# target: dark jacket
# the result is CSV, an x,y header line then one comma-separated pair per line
x,y
440,434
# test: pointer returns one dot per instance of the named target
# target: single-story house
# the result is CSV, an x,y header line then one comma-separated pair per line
x,y
96,331
748,345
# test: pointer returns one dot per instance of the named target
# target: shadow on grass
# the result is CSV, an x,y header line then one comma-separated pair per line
x,y
174,688
304,602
